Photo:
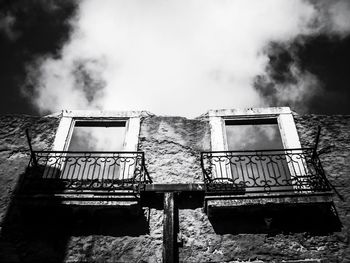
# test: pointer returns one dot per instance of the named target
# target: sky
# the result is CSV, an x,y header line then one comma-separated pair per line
x,y
174,57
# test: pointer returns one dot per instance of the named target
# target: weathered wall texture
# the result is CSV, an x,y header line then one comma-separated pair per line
x,y
14,153
172,146
14,158
335,140
202,244
111,246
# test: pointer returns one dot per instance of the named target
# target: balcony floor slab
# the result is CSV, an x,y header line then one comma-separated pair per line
x,y
235,202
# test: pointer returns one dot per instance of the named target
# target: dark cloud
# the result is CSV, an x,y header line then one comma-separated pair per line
x,y
310,72
28,29
6,26
87,74
313,69
328,59
323,59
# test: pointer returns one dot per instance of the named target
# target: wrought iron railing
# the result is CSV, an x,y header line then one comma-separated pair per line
x,y
56,171
264,171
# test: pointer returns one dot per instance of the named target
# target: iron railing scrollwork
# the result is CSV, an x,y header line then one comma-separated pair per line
x,y
264,171
56,171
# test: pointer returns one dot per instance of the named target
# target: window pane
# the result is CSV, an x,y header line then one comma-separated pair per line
x,y
102,136
270,169
253,136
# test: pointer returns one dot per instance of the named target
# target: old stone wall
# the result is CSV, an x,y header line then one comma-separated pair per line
x,y
14,150
335,143
202,243
14,159
172,147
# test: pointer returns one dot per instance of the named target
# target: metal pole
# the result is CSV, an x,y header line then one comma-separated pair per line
x,y
316,141
170,229
32,154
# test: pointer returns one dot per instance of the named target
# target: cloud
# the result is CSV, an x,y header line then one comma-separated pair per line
x,y
296,90
175,57
333,17
7,22
291,78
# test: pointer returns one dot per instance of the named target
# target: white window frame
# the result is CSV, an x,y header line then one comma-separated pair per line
x,y
285,121
65,129
68,118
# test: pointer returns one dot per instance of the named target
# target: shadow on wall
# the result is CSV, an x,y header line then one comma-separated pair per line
x,y
316,220
38,230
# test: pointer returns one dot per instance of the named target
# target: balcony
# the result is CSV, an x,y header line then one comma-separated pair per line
x,y
244,189
76,174
264,172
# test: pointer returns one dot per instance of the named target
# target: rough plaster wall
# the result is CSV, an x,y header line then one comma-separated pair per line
x,y
14,158
108,248
202,244
172,147
14,150
44,241
335,139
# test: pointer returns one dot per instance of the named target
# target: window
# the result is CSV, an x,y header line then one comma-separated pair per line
x,y
98,135
281,117
95,150
99,143
257,149
257,134
119,129
256,156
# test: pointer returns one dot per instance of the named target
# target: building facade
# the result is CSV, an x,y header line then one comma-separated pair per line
x,y
240,185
